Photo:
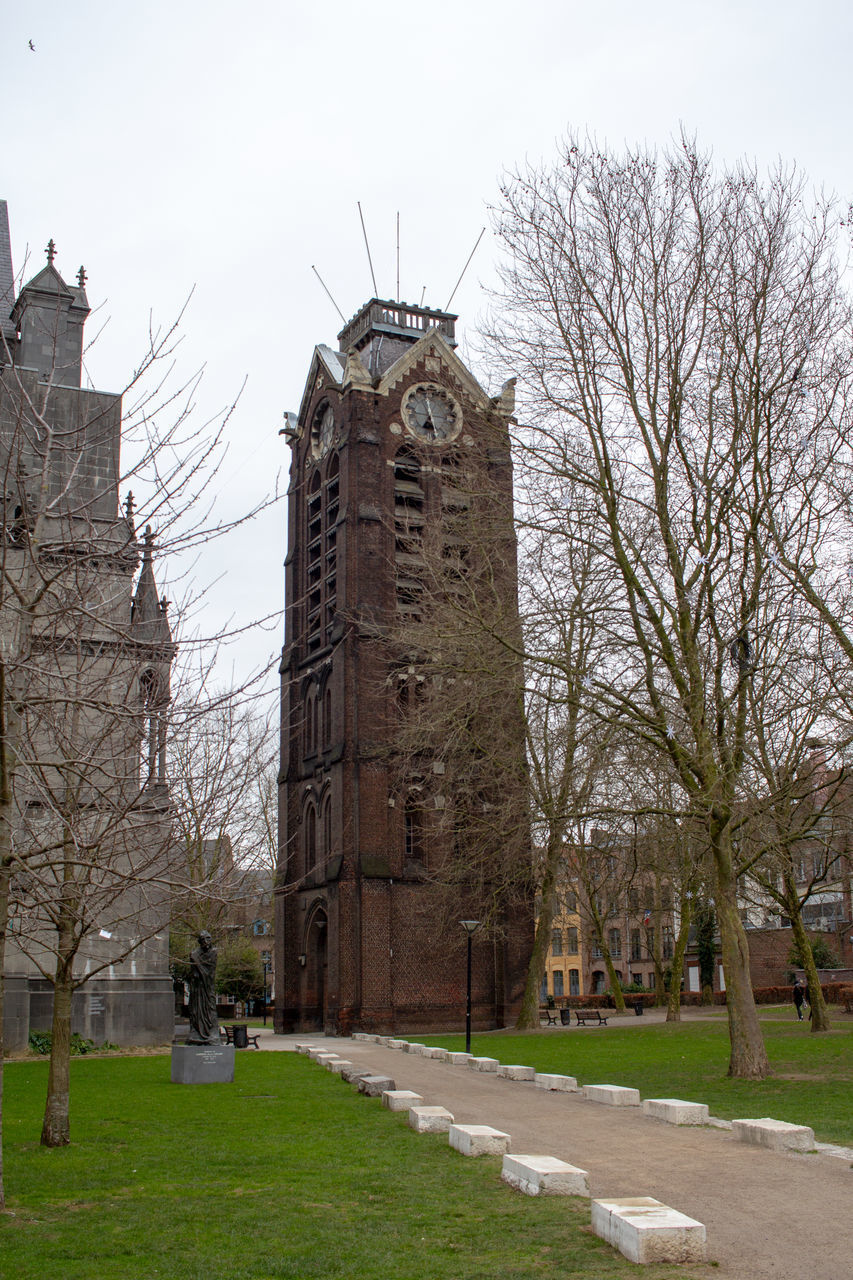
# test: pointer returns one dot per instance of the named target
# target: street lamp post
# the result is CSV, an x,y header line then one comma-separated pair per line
x,y
470,927
267,968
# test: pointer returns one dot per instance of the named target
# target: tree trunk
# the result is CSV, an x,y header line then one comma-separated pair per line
x,y
5,880
818,1016
528,1015
748,1058
7,726
615,985
56,1130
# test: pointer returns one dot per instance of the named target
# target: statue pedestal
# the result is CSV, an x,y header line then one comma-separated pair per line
x,y
203,1064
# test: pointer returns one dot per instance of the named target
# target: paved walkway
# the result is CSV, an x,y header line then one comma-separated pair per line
x,y
769,1216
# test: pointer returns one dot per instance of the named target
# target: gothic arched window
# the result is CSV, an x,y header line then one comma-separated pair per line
x,y
310,836
327,827
327,717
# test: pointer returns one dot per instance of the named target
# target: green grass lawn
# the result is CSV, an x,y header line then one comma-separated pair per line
x,y
286,1173
810,1084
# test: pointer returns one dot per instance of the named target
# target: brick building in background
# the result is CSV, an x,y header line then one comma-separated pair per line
x,y
365,936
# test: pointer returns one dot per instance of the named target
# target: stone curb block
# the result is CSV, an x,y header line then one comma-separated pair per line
x,y
564,1084
612,1095
459,1059
339,1065
374,1086
397,1044
434,1051
644,1230
516,1072
676,1111
478,1140
544,1175
778,1135
353,1074
400,1099
430,1119
484,1064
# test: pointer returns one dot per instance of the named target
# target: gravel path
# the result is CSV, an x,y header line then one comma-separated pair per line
x,y
768,1216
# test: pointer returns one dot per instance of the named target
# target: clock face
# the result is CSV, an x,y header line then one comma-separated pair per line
x,y
431,413
322,430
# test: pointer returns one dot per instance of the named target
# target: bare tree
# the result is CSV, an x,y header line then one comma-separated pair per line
x,y
222,752
657,312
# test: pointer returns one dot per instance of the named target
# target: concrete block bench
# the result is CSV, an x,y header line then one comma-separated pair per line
x,y
400,1099
325,1058
365,1036
564,1084
411,1046
778,1135
515,1072
459,1059
302,1046
430,1119
544,1176
644,1230
478,1140
397,1044
374,1086
339,1065
676,1111
483,1064
612,1095
434,1051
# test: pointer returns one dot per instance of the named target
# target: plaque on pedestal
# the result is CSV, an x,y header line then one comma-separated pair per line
x,y
203,1064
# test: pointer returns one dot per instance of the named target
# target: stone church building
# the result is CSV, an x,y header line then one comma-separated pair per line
x,y
86,651
372,884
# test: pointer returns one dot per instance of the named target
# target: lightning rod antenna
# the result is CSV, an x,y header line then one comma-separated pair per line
x,y
464,269
423,295
367,247
328,295
398,255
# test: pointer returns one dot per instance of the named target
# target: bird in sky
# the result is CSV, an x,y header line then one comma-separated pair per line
x,y
32,46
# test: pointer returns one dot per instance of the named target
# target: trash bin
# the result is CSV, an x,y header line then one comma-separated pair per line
x,y
566,1017
241,1035
638,1008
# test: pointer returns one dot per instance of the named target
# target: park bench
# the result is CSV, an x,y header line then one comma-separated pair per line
x,y
550,1014
590,1015
228,1032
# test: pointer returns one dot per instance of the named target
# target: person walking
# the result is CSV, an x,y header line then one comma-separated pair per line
x,y
799,997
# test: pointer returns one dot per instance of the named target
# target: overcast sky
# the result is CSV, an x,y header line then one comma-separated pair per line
x,y
174,144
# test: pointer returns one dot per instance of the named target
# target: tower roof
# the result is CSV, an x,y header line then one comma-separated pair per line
x,y
149,618
7,275
397,319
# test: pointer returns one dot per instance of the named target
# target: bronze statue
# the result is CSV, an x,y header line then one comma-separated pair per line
x,y
204,1024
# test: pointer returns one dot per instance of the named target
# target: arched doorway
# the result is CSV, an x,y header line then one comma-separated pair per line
x,y
314,973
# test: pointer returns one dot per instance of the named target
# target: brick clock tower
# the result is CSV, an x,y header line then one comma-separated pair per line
x,y
366,934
